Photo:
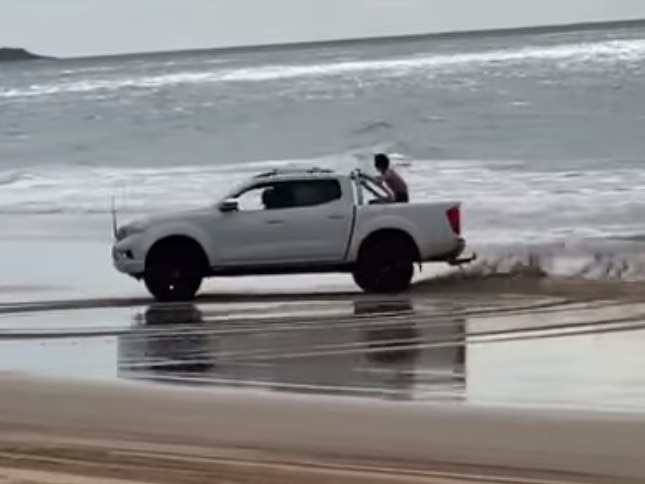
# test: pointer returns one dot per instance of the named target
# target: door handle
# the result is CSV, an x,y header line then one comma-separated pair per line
x,y
337,217
275,222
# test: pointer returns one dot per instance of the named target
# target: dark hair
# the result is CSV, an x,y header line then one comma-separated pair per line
x,y
381,161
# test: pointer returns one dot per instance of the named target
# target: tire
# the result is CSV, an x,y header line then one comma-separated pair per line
x,y
174,272
384,266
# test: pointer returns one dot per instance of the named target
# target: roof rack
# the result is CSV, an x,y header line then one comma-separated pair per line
x,y
287,171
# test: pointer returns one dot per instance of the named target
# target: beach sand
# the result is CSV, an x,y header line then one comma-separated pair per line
x,y
475,378
150,434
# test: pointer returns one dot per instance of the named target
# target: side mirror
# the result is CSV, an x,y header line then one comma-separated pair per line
x,y
229,205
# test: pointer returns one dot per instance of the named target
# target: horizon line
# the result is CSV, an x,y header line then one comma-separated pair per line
x,y
449,34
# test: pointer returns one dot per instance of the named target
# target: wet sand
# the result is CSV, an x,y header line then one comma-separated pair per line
x,y
473,377
442,388
528,351
151,434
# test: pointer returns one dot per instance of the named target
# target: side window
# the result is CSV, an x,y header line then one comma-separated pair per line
x,y
315,192
289,194
266,196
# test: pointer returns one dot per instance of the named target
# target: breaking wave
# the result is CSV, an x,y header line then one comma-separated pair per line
x,y
569,55
502,205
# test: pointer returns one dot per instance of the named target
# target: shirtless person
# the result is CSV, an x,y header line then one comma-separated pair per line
x,y
391,179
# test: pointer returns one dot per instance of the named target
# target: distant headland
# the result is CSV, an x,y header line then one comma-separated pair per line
x,y
9,54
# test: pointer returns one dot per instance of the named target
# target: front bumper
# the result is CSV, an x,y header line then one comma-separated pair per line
x,y
125,261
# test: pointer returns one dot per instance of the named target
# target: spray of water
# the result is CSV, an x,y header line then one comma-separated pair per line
x,y
535,266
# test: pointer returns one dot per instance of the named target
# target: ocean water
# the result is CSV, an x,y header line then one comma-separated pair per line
x,y
540,136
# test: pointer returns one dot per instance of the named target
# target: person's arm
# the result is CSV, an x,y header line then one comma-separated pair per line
x,y
379,180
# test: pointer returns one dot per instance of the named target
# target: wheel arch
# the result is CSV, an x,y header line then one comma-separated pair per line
x,y
396,236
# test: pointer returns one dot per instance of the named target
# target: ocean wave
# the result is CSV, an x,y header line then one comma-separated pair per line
x,y
373,126
11,177
499,206
81,189
602,52
88,70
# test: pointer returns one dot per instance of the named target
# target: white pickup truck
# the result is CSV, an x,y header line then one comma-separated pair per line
x,y
288,222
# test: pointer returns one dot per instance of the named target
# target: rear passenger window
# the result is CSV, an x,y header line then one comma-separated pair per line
x,y
289,194
315,192
306,193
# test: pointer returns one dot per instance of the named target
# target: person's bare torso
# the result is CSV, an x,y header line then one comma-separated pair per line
x,y
394,182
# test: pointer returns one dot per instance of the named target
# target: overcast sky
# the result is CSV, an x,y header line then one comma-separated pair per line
x,y
89,27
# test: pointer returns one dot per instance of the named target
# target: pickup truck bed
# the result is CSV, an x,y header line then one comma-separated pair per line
x,y
285,222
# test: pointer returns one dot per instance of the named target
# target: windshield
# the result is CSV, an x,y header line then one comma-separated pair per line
x,y
238,188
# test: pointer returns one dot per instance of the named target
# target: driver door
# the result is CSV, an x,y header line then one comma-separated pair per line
x,y
285,222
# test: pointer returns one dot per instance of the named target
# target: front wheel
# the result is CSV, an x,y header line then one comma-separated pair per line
x,y
172,276
384,268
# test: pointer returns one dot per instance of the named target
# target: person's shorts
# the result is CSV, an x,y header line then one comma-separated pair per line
x,y
401,198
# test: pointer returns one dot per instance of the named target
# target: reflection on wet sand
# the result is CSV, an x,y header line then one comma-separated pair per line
x,y
383,348
555,352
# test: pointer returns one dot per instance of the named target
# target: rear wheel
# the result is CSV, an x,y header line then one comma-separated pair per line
x,y
384,266
174,271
